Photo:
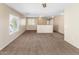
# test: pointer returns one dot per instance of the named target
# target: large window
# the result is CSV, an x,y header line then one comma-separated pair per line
x,y
31,22
23,22
13,24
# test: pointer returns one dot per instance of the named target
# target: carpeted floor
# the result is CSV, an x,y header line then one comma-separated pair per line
x,y
32,43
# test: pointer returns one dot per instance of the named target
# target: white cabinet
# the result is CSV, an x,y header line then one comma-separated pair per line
x,y
44,28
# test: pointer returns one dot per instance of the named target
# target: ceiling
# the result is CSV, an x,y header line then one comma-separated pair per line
x,y
36,9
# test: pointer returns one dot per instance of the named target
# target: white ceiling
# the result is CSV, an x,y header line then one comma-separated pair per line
x,y
36,9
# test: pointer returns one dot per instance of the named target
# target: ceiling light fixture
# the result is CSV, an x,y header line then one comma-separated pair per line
x,y
44,5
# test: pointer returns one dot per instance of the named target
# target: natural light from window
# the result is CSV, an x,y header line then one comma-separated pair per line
x,y
31,22
23,22
13,24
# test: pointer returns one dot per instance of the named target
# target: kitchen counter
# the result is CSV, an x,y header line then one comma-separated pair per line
x,y
44,28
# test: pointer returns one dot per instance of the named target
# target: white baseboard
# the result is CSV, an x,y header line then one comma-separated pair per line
x,y
10,41
72,44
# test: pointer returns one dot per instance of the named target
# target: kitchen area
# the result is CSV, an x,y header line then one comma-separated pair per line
x,y
40,24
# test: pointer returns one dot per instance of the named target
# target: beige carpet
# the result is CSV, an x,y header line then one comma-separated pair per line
x,y
32,43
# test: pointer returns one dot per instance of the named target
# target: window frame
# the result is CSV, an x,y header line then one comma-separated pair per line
x,y
11,16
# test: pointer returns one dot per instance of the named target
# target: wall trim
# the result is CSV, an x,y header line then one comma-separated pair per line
x,y
12,40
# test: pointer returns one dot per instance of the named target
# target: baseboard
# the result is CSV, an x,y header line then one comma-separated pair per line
x,y
71,44
10,41
59,32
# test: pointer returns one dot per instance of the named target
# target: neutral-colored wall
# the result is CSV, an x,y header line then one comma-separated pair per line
x,y
5,38
59,24
71,23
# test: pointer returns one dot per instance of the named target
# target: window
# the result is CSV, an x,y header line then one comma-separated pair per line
x,y
13,24
31,22
23,22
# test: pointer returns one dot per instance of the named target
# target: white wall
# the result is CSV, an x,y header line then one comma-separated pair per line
x,y
71,23
59,24
5,38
